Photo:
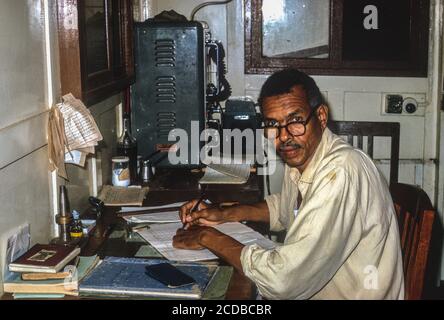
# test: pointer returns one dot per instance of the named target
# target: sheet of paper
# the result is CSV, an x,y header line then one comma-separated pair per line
x,y
75,157
212,176
131,209
160,217
240,170
160,236
226,171
87,150
121,196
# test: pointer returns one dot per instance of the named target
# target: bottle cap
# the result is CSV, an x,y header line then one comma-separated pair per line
x,y
120,159
75,215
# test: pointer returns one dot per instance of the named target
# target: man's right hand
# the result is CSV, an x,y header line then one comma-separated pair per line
x,y
204,215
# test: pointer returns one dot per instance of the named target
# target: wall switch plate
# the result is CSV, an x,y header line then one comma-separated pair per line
x,y
404,104
393,103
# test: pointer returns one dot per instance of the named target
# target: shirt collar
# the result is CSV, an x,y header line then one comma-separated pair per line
x,y
308,174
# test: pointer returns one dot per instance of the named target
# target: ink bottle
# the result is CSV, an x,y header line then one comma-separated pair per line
x,y
76,227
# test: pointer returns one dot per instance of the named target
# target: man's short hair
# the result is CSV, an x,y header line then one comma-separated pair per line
x,y
281,82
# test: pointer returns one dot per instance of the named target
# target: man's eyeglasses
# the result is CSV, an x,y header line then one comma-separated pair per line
x,y
295,128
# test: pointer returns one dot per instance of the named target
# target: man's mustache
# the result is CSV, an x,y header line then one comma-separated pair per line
x,y
290,144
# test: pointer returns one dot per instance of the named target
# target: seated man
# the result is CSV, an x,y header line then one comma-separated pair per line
x,y
342,239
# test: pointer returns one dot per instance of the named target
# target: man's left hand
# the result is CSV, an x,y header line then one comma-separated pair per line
x,y
190,238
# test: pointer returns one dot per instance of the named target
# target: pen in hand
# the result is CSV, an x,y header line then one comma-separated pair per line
x,y
194,208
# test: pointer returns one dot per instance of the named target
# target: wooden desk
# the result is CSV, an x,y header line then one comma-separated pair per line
x,y
171,186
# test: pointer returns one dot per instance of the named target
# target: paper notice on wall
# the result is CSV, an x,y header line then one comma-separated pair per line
x,y
80,128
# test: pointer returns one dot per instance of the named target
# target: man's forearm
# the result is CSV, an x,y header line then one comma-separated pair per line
x,y
257,212
223,246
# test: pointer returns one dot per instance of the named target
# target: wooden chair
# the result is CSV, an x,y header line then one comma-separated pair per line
x,y
371,130
416,218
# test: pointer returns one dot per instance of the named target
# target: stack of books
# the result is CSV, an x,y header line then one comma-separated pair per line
x,y
39,271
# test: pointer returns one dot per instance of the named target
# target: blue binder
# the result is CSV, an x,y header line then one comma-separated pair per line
x,y
126,277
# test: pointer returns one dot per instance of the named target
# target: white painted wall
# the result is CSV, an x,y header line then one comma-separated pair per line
x,y
29,85
24,104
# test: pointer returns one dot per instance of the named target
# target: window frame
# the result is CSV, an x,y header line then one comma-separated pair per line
x,y
95,87
256,63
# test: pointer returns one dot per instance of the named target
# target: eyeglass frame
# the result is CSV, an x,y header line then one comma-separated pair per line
x,y
304,123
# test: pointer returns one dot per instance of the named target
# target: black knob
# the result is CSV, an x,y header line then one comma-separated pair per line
x,y
410,108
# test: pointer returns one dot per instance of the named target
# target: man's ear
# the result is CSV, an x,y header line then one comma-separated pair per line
x,y
322,114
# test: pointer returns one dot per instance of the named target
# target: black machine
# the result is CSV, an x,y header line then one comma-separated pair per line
x,y
180,82
174,87
169,92
240,113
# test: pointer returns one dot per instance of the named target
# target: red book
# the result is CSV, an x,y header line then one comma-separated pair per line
x,y
46,258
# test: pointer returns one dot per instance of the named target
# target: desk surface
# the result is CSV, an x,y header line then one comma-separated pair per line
x,y
175,186
171,186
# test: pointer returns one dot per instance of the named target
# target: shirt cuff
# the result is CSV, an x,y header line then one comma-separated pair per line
x,y
246,259
248,268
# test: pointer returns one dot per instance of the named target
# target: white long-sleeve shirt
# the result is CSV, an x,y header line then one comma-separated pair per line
x,y
344,242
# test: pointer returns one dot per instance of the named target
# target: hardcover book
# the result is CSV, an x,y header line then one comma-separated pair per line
x,y
126,277
45,258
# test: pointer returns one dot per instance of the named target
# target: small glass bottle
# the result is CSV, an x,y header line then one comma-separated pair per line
x,y
127,146
76,227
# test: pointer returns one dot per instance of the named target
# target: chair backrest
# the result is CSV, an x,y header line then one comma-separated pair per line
x,y
416,217
362,129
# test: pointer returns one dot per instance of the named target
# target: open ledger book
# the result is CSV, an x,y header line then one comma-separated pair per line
x,y
160,236
226,171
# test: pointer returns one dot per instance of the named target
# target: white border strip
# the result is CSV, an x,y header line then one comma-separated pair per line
x,y
50,97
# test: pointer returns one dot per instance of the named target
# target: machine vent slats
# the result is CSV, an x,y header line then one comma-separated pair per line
x,y
165,53
166,121
166,89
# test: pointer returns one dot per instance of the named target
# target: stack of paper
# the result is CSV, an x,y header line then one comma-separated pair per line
x,y
73,133
151,216
80,128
